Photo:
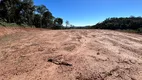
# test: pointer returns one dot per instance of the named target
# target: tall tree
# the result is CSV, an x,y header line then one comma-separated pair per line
x,y
47,19
36,21
8,9
28,11
41,10
67,23
25,12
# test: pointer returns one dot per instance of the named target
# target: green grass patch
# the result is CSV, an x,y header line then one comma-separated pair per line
x,y
5,24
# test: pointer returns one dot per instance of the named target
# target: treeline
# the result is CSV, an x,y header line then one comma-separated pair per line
x,y
122,23
25,12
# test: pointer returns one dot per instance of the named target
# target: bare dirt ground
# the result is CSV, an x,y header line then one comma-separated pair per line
x,y
91,55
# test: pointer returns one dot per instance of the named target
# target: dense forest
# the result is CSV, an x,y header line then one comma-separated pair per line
x,y
122,23
25,12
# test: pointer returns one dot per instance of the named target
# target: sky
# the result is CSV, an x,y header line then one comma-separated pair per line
x,y
90,12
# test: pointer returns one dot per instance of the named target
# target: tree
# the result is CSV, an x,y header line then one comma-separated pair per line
x,y
41,10
8,9
27,11
17,11
67,23
36,21
58,23
47,19
120,23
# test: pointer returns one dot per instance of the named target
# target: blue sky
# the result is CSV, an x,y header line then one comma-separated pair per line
x,y
89,12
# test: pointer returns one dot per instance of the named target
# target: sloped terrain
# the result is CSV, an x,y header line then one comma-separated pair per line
x,y
70,55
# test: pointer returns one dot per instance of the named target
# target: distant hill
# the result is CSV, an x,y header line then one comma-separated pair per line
x,y
122,23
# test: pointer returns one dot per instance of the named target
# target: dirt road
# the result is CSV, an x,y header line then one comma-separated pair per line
x,y
92,55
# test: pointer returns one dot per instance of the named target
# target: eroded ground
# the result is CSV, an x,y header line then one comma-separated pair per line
x,y
93,55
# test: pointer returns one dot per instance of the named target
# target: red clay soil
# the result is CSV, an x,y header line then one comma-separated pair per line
x,y
70,55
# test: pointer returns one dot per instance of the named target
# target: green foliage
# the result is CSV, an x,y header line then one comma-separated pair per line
x,y
139,30
37,20
5,24
47,19
41,9
133,23
58,23
25,12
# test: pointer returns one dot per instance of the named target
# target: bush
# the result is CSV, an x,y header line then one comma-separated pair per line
x,y
57,27
139,30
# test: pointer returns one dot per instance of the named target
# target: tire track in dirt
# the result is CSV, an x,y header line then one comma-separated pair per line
x,y
94,55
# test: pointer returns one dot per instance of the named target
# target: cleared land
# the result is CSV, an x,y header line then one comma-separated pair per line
x,y
32,54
